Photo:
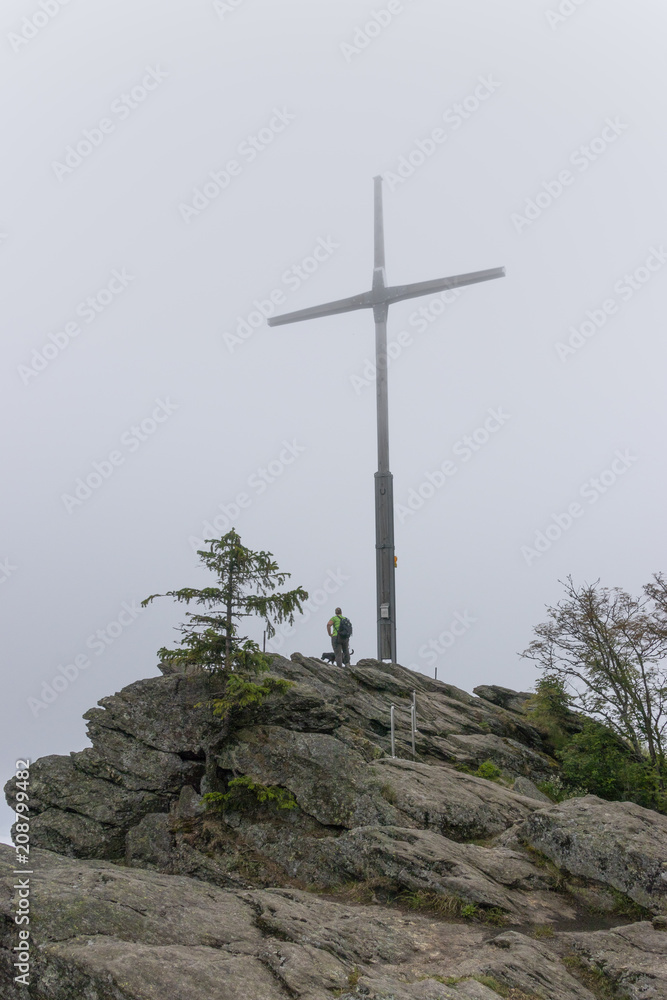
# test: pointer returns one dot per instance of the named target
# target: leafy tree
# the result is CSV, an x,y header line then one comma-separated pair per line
x,y
246,586
608,650
598,762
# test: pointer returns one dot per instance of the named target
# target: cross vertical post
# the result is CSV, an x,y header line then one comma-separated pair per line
x,y
380,297
385,561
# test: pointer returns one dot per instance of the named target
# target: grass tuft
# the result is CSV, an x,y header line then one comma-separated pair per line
x,y
594,979
542,931
384,892
507,992
388,793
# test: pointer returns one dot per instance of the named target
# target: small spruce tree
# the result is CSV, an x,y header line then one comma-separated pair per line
x,y
246,586
549,709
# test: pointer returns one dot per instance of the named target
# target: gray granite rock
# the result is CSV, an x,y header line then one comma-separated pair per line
x,y
322,739
633,958
513,701
111,933
524,786
211,905
619,844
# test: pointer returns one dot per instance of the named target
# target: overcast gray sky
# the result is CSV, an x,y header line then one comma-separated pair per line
x,y
174,168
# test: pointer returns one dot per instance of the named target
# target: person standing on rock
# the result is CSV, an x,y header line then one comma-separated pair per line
x,y
340,630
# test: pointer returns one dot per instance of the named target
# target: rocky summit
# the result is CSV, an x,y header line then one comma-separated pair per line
x,y
334,869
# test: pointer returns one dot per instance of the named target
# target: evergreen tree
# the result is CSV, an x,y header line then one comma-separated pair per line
x,y
246,586
549,709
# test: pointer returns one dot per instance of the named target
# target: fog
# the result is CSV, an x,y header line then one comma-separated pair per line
x,y
174,171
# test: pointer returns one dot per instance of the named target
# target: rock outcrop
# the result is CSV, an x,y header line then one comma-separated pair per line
x,y
388,877
618,843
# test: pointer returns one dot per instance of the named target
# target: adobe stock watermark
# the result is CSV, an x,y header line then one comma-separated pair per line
x,y
432,650
583,157
293,278
420,320
87,310
257,483
131,441
7,570
465,449
591,491
625,288
97,643
364,34
21,952
454,117
248,150
225,7
121,109
317,599
563,12
33,24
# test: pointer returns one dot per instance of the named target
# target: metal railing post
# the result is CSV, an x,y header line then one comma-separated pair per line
x,y
414,705
413,726
393,740
436,673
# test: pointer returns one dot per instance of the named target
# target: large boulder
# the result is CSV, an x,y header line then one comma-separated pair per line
x,y
524,786
633,958
321,739
513,701
212,905
617,843
107,932
169,714
457,805
75,813
513,757
334,782
409,860
364,693
111,933
329,779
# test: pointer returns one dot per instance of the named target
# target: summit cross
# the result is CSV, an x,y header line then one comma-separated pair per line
x,y
379,298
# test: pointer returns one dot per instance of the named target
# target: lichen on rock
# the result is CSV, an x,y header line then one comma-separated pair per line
x,y
403,877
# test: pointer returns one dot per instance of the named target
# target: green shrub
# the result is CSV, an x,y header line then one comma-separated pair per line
x,y
599,762
487,769
557,791
243,793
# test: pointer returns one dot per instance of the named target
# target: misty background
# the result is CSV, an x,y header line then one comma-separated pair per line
x,y
525,135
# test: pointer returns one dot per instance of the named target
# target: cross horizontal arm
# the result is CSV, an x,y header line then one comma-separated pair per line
x,y
362,301
396,293
381,296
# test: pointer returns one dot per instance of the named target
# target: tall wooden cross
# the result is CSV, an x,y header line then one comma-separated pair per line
x,y
380,297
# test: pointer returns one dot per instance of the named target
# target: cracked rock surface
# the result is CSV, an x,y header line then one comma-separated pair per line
x,y
390,878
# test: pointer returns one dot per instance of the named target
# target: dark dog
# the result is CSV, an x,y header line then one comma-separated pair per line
x,y
331,657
